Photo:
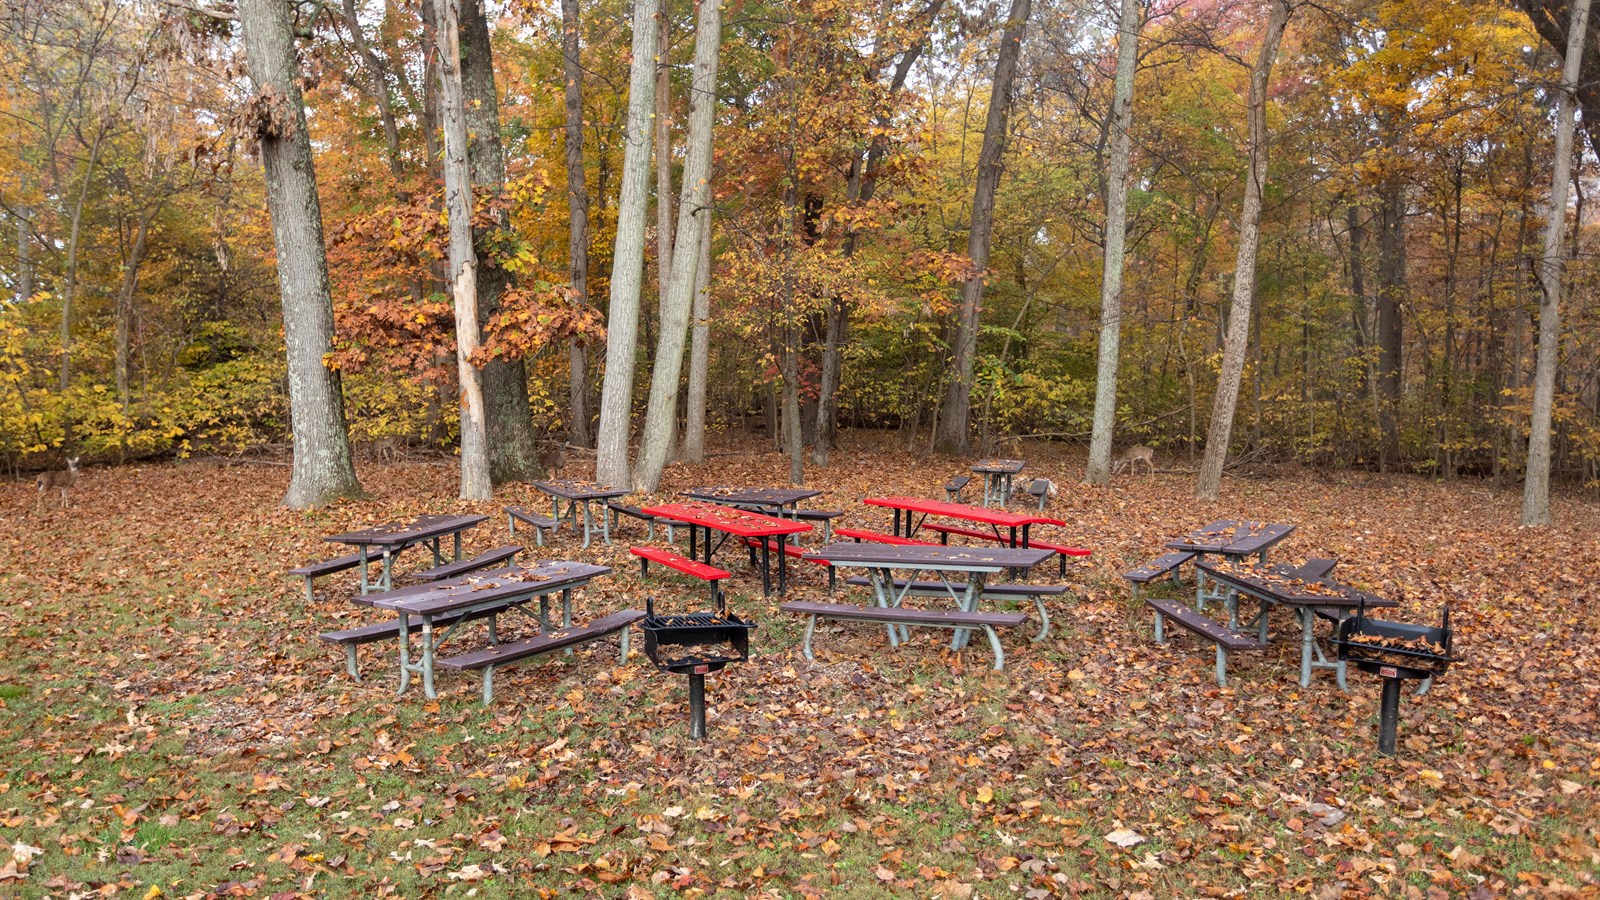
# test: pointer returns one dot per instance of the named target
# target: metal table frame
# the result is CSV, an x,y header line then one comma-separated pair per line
x,y
587,497
997,479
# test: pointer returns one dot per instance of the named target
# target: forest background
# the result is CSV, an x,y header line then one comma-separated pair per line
x,y
1408,151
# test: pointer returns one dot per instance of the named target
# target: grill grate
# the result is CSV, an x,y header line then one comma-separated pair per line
x,y
695,644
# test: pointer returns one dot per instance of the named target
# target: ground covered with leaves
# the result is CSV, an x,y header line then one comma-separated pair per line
x,y
172,727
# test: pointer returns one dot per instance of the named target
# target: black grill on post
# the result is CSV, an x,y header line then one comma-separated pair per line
x,y
696,644
1394,651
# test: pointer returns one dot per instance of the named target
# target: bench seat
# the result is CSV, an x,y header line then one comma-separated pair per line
x,y
484,560
1034,592
1225,638
1062,550
880,537
540,524
351,638
328,567
934,618
691,567
616,510
506,654
954,487
825,516
1165,564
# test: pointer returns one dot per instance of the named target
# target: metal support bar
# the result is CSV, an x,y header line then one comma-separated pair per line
x,y
697,707
1389,716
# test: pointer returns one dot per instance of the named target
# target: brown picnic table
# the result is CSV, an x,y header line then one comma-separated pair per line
x,y
475,596
997,475
969,566
1282,585
777,499
389,539
732,522
1233,539
576,493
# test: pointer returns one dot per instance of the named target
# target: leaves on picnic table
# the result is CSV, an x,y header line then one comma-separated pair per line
x,y
166,708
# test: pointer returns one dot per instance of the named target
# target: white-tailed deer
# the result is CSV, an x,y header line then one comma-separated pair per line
x,y
59,480
384,449
552,457
1133,455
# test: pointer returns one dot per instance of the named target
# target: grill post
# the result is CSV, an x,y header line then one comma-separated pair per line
x,y
697,707
1388,716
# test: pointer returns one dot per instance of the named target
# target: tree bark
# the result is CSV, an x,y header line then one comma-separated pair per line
x,y
1105,396
24,255
663,154
627,261
578,220
476,482
951,436
69,290
508,420
1536,489
377,71
1390,325
322,470
125,294
694,427
660,426
1209,483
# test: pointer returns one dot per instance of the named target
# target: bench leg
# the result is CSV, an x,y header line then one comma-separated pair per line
x,y
811,627
544,613
605,527
488,685
309,596
644,568
624,641
494,634
994,642
538,536
566,612
405,653
1044,619
350,663
1307,639
1222,666
511,523
670,538
650,529
1161,633
833,579
427,659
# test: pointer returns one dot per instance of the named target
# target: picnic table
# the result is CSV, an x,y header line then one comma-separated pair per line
x,y
777,499
389,539
1230,538
1307,598
579,492
475,596
996,519
731,522
997,475
970,565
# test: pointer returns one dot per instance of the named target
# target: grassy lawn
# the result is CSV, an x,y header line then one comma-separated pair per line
x,y
172,727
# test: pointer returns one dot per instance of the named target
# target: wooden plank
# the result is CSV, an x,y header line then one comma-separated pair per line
x,y
503,654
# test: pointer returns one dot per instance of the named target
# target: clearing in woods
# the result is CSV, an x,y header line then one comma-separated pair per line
x,y
170,720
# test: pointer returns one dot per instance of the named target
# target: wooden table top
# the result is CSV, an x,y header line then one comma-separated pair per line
x,y
488,586
420,528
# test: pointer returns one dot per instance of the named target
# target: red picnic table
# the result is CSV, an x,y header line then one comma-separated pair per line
x,y
734,523
996,519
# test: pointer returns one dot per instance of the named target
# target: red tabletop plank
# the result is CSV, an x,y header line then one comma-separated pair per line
x,y
726,519
1000,517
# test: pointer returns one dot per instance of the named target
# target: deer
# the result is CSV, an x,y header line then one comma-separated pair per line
x,y
59,480
1133,455
552,457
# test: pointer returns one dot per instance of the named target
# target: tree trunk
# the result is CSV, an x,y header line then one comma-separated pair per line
x,y
1209,483
793,437
124,312
694,428
24,255
627,261
660,425
663,153
1390,326
476,483
951,436
377,71
1536,489
1105,394
322,470
578,220
69,290
508,420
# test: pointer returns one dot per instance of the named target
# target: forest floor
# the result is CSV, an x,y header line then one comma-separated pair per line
x,y
172,727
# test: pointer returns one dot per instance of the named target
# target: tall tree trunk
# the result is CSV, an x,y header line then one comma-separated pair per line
x,y
24,254
1536,489
322,469
125,294
69,290
627,261
1358,290
1209,483
694,427
1105,393
660,425
430,93
578,220
377,72
663,153
1390,326
513,451
476,482
951,437
793,430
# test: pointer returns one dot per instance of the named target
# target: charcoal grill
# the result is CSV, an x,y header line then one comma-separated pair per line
x,y
696,644
1398,654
